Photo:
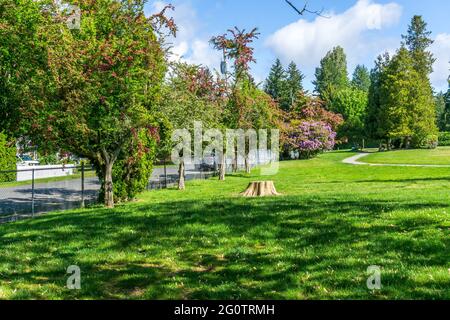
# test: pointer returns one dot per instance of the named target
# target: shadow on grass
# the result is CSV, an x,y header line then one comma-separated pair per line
x,y
285,247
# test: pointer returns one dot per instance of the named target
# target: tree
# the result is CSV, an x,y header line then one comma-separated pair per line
x,y
103,82
276,82
192,94
236,46
441,112
294,84
361,78
375,122
407,103
418,40
7,158
351,103
23,56
332,74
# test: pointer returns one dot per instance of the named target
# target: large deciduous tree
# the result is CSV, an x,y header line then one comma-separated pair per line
x,y
103,82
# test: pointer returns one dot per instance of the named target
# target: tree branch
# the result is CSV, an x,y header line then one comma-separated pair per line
x,y
306,10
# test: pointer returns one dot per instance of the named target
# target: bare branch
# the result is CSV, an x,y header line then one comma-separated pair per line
x,y
306,10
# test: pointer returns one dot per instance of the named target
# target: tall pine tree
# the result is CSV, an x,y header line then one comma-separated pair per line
x,y
361,78
275,82
294,84
407,103
418,40
332,74
375,125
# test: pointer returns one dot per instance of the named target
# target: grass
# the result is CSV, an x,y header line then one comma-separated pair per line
x,y
313,242
87,174
439,156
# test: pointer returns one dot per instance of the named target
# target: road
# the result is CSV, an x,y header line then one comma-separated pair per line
x,y
16,202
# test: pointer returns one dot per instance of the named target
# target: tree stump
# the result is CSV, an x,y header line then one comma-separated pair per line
x,y
261,189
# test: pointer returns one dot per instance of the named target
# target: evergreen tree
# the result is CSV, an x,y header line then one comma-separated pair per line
x,y
407,104
275,82
332,74
441,112
294,84
418,40
374,124
361,78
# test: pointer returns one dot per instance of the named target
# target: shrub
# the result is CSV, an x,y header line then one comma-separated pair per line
x,y
444,139
7,158
133,168
311,138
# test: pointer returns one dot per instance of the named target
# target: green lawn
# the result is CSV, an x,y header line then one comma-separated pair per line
x,y
314,242
439,156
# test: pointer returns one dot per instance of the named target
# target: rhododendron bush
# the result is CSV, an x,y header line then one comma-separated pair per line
x,y
312,137
312,128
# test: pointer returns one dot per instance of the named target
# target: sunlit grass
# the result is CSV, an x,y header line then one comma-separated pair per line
x,y
313,242
439,156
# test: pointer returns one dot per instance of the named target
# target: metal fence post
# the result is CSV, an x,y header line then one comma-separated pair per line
x,y
32,193
165,174
82,185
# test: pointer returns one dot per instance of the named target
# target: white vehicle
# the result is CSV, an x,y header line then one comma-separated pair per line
x,y
26,160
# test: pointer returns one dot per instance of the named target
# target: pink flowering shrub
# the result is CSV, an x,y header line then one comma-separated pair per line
x,y
311,138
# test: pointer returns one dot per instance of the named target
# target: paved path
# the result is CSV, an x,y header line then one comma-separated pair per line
x,y
354,161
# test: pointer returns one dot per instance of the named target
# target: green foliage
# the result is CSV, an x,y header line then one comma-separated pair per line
x,y
351,103
407,102
442,113
284,85
374,122
101,84
361,78
23,60
332,74
294,84
133,168
7,158
418,40
444,139
276,81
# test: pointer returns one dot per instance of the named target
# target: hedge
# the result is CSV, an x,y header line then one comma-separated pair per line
x,y
444,139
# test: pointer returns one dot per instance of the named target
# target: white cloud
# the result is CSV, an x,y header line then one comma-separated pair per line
x,y
441,51
188,45
355,30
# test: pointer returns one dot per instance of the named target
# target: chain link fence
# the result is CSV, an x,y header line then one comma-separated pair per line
x,y
41,189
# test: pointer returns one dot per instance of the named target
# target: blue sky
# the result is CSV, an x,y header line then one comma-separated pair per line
x,y
365,28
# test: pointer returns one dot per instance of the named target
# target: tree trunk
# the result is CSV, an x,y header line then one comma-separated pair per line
x,y
109,197
248,168
181,173
222,169
261,189
235,160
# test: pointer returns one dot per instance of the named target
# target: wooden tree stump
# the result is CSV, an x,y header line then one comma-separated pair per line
x,y
261,189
